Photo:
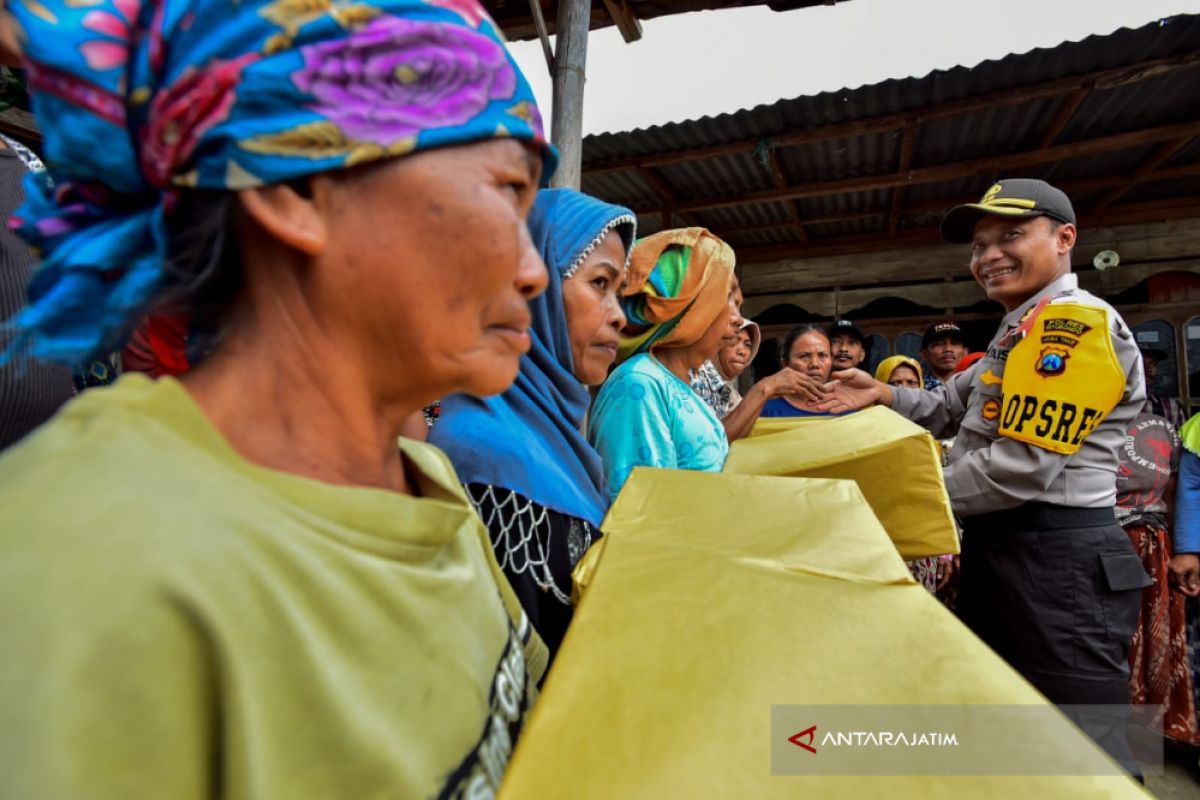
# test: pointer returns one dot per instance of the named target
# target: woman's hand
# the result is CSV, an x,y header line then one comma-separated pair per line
x,y
1184,573
795,384
946,567
852,389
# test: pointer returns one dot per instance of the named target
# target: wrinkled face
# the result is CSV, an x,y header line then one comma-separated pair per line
x,y
944,354
906,376
721,330
430,267
810,355
734,358
847,351
1014,259
591,299
736,298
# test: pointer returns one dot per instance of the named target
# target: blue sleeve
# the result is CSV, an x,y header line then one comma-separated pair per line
x,y
1187,505
631,427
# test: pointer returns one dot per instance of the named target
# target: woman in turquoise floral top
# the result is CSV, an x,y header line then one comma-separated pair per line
x,y
678,301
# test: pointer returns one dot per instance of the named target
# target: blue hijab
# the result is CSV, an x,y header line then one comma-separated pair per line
x,y
529,439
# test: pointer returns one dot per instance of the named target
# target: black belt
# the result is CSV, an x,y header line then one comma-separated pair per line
x,y
1040,516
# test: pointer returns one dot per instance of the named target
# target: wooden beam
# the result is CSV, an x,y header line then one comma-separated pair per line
x,y
1101,79
570,64
626,20
907,143
659,184
1154,211
1160,156
955,293
1136,242
539,22
952,171
943,203
1066,110
777,226
792,206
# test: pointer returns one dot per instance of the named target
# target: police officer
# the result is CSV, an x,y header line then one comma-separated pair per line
x,y
1049,579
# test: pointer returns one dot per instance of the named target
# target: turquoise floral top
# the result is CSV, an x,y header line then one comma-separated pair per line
x,y
645,416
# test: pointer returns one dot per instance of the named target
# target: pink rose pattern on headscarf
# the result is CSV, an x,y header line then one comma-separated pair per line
x,y
394,77
144,98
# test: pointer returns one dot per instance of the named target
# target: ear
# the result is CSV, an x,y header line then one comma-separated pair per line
x,y
1066,235
288,215
11,37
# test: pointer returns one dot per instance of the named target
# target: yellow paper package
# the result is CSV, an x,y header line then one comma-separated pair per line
x,y
895,463
717,598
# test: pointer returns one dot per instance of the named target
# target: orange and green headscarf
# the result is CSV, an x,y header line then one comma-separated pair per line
x,y
677,285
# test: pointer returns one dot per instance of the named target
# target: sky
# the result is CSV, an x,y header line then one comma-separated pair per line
x,y
714,62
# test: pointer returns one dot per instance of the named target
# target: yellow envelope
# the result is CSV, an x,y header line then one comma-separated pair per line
x,y
895,462
716,597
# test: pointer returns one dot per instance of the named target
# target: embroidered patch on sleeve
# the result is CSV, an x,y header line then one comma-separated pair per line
x,y
1062,379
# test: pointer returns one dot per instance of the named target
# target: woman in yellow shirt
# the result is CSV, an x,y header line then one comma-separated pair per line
x,y
264,595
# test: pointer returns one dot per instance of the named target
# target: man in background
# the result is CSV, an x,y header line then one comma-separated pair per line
x,y
1159,404
847,344
942,347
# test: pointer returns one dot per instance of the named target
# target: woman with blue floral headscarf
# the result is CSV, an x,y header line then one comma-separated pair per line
x,y
528,469
265,595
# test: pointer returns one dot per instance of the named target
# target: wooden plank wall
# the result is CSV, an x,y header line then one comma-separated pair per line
x,y
937,275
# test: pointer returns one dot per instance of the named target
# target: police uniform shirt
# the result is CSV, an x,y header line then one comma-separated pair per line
x,y
1051,450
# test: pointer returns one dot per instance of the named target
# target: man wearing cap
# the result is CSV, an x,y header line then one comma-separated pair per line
x,y
847,344
1160,405
942,347
1049,579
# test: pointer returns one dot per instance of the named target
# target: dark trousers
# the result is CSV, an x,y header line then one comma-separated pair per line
x,y
1056,593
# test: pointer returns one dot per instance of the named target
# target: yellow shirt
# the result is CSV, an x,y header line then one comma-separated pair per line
x,y
181,623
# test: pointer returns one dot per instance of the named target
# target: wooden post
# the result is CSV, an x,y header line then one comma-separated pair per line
x,y
570,63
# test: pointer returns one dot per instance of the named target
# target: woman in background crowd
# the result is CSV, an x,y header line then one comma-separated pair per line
x,y
707,380
900,371
932,572
679,305
733,359
266,595
527,467
805,350
743,412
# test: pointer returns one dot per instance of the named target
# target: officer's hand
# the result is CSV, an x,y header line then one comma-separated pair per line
x,y
1184,573
850,390
790,382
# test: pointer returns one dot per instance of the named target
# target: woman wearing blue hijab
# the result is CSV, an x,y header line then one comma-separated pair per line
x,y
522,455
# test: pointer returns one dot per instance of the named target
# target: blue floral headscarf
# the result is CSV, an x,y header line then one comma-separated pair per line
x,y
142,98
530,438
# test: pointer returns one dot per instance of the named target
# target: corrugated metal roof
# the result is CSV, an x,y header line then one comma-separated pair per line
x,y
1110,108
515,17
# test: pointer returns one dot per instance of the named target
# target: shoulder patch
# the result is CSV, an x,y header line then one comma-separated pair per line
x,y
1062,379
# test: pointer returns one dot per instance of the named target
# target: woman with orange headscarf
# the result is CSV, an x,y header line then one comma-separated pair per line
x,y
678,302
